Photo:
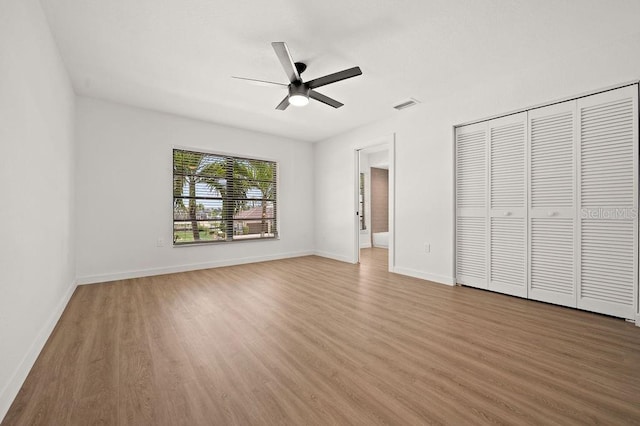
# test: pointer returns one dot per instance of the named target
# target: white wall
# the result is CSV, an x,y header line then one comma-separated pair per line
x,y
36,170
424,154
379,159
124,192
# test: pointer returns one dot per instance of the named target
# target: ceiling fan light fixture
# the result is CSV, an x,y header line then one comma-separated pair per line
x,y
298,100
298,95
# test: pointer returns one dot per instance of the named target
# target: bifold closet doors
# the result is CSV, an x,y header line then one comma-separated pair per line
x,y
546,203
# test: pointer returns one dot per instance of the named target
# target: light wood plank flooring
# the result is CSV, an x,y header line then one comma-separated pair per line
x,y
311,341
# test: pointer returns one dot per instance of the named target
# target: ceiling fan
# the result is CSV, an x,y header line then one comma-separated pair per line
x,y
300,91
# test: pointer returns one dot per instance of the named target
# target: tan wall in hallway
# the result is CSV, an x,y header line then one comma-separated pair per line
x,y
379,200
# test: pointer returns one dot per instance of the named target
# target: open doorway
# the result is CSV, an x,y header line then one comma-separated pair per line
x,y
374,241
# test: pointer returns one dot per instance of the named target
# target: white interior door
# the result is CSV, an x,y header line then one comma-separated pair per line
x,y
608,197
471,205
552,204
508,204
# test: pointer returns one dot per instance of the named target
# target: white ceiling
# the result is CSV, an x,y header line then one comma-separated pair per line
x,y
178,56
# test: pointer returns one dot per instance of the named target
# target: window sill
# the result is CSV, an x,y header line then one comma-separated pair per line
x,y
222,242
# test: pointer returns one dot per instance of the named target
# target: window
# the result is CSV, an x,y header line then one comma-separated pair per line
x,y
222,198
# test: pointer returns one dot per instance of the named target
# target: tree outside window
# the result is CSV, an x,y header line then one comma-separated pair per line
x,y
222,198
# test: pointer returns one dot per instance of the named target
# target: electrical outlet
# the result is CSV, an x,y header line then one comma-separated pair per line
x,y
160,242
427,248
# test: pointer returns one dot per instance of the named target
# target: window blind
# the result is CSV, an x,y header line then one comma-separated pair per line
x,y
222,198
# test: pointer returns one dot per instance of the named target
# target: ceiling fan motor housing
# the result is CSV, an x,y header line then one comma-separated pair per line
x,y
299,88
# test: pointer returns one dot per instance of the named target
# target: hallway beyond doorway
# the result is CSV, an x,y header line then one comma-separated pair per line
x,y
375,258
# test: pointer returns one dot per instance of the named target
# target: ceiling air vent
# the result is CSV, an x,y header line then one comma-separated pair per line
x,y
406,104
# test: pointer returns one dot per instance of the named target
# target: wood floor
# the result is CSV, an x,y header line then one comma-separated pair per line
x,y
311,341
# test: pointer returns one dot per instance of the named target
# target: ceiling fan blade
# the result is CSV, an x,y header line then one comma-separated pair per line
x,y
289,66
332,78
284,104
324,99
260,82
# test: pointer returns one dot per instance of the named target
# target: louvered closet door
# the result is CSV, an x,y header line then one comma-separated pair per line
x,y
471,205
508,200
608,188
552,205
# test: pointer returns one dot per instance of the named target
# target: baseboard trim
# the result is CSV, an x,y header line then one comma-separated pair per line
x,y
333,256
440,279
101,278
11,389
